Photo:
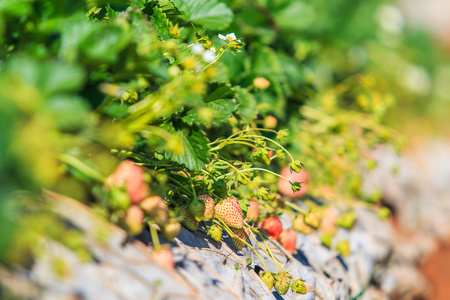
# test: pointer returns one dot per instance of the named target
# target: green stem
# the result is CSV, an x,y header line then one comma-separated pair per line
x,y
234,142
265,170
180,185
228,230
268,249
270,253
82,167
253,129
291,205
278,144
154,234
240,173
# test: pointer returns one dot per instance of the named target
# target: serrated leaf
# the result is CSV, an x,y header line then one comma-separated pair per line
x,y
168,7
195,150
209,13
160,23
219,90
220,100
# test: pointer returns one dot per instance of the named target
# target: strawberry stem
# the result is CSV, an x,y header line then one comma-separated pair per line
x,y
154,235
228,230
82,167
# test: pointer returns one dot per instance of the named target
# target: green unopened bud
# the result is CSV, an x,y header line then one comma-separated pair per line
x,y
282,134
295,166
262,155
296,186
280,154
262,193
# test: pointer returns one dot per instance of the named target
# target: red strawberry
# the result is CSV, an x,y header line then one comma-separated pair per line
x,y
243,233
134,219
209,207
288,239
230,212
163,256
156,208
285,187
272,226
329,218
187,219
253,211
132,176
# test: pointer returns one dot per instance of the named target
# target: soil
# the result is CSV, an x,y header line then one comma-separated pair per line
x,y
437,270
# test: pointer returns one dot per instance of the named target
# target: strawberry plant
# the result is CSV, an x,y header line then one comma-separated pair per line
x,y
166,113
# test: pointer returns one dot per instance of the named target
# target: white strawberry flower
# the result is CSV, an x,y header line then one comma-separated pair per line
x,y
229,37
208,56
213,50
197,49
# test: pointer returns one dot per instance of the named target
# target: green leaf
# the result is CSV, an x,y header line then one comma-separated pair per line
x,y
247,105
167,6
209,13
220,101
160,23
195,148
219,90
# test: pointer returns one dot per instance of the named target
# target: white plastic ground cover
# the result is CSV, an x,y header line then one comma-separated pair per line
x,y
204,268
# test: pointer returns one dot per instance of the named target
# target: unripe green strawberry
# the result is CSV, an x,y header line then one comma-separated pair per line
x,y
347,220
171,229
343,248
282,282
384,213
187,219
299,286
230,212
119,200
300,226
156,208
242,233
253,211
134,219
267,278
215,232
326,239
209,207
312,219
197,209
